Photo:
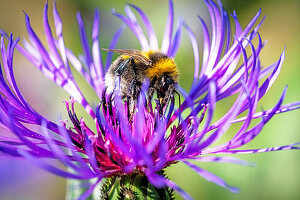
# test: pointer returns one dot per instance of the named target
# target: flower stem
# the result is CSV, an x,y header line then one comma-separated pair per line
x,y
133,187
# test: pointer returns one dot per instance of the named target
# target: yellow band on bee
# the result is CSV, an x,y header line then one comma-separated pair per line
x,y
161,67
165,65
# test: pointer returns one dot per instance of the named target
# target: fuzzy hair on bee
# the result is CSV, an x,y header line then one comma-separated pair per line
x,y
133,67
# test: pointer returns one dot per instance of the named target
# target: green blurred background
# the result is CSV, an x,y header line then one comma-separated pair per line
x,y
276,175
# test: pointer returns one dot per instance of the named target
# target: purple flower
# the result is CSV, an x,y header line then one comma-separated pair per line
x,y
148,142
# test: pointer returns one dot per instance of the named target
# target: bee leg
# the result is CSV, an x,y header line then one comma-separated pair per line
x,y
128,102
179,106
133,94
171,109
133,89
130,107
164,103
123,66
149,98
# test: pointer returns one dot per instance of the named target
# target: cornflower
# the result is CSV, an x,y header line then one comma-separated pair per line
x,y
131,150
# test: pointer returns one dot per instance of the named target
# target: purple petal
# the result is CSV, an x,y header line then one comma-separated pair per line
x,y
166,42
250,151
211,177
174,46
150,30
58,29
41,49
69,144
78,66
160,181
196,52
212,103
223,159
245,64
140,122
7,57
157,137
231,86
90,152
228,30
206,46
97,58
135,28
250,134
218,33
251,110
7,149
60,76
238,28
271,79
84,41
113,44
227,56
48,167
282,109
9,122
61,155
139,154
50,38
162,155
2,33
87,193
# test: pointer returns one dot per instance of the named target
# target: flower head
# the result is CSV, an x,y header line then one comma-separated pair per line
x,y
154,136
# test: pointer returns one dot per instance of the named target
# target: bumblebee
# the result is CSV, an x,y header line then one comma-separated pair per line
x,y
133,67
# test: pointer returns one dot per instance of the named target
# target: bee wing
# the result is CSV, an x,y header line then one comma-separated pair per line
x,y
136,54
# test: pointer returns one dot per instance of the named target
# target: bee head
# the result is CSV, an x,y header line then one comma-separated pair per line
x,y
165,87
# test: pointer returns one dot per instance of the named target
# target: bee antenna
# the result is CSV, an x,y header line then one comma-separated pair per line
x,y
179,106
